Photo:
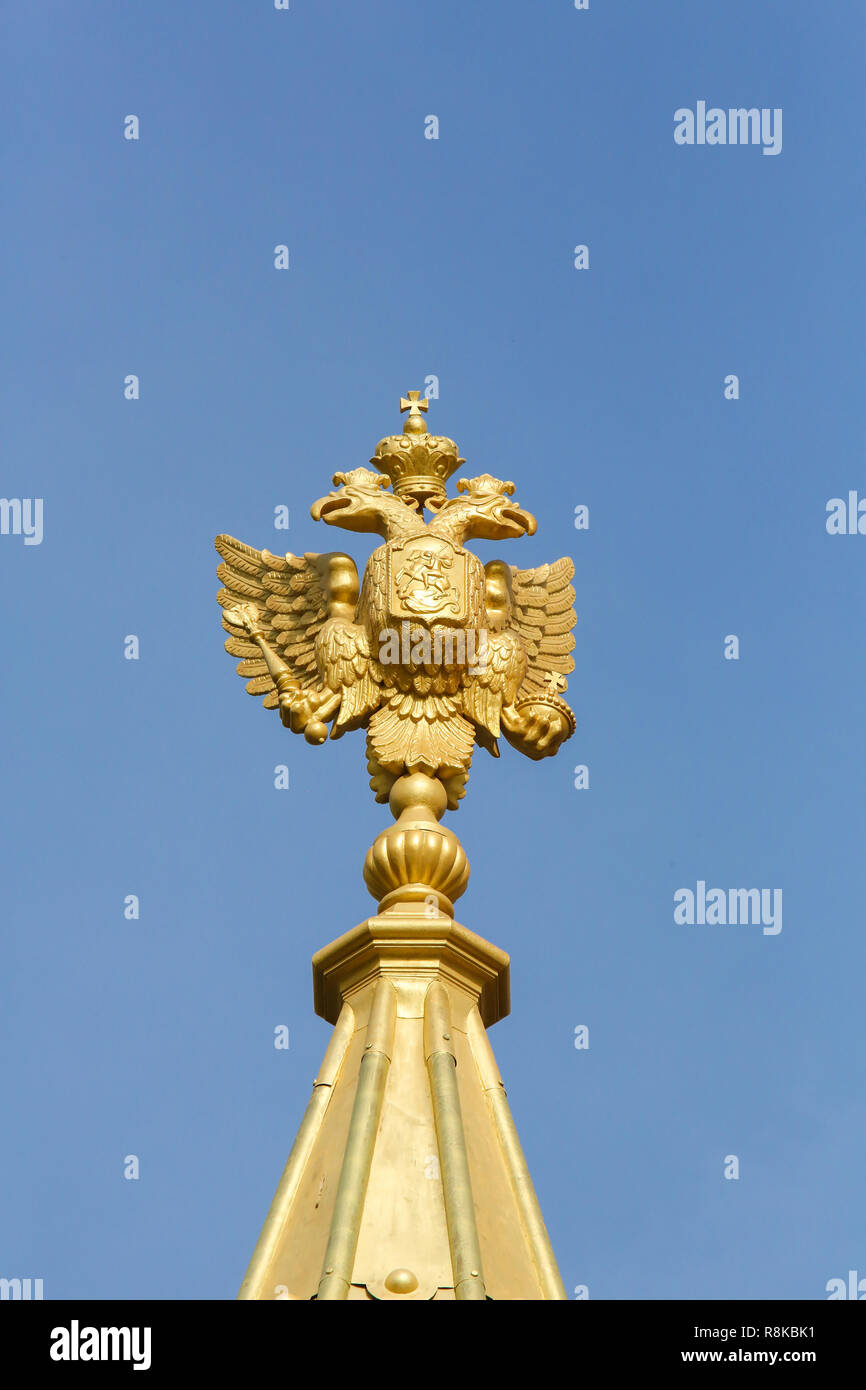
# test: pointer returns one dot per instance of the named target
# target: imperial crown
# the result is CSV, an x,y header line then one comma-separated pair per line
x,y
419,464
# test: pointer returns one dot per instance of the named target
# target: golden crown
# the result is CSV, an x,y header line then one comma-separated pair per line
x,y
419,464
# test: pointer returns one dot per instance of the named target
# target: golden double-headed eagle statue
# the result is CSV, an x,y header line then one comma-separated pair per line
x,y
434,651
406,1180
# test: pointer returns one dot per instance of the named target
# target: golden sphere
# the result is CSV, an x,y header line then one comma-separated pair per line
x,y
409,862
401,1281
315,731
416,789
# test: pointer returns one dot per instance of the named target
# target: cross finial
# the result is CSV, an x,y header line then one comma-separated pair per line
x,y
414,422
556,683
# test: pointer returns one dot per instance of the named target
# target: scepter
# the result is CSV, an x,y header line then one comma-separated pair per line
x,y
300,712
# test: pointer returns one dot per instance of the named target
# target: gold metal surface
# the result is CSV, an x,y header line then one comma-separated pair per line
x,y
407,1181
401,1281
281,1206
456,1182
414,405
518,1171
358,1156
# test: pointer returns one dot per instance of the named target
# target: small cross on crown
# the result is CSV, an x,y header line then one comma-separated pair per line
x,y
415,404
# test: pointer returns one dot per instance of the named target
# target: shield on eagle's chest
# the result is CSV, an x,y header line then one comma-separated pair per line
x,y
428,580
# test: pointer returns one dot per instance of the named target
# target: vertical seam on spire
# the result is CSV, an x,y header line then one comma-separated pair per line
x,y
339,1261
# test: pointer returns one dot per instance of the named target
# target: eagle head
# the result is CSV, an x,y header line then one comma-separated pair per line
x,y
490,514
356,503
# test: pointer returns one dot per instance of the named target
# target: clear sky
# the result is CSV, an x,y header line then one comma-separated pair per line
x,y
603,387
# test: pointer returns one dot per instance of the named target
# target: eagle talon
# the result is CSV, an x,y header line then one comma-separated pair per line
x,y
305,712
537,728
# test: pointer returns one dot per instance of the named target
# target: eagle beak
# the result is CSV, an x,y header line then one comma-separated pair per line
x,y
524,521
322,509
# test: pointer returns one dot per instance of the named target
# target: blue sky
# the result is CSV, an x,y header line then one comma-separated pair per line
x,y
603,387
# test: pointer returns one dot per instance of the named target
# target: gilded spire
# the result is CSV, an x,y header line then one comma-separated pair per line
x,y
406,1179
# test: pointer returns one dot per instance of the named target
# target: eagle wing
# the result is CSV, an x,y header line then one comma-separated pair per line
x,y
348,666
542,616
290,594
492,683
